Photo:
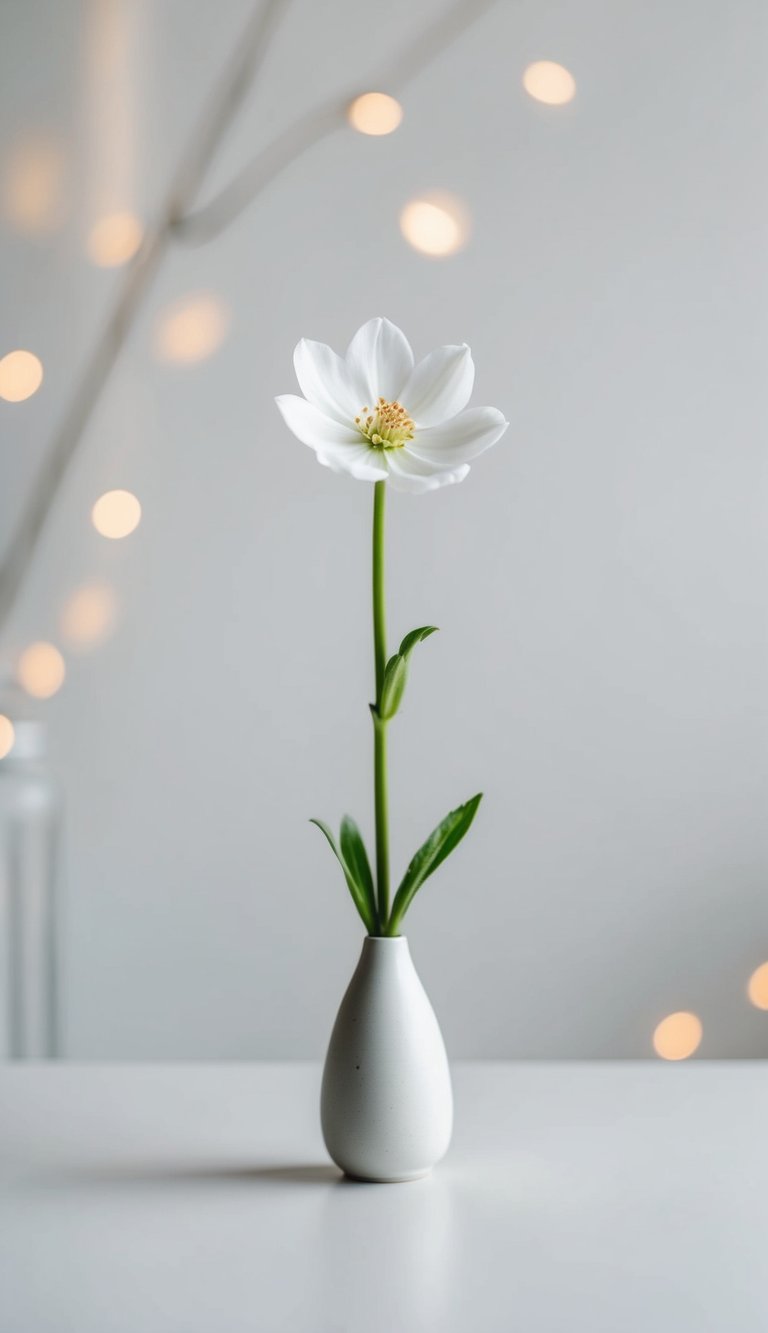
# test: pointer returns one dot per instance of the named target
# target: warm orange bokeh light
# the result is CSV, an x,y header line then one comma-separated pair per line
x,y
21,374
375,113
7,736
116,514
757,988
41,670
113,240
435,224
88,615
191,330
549,82
677,1036
32,185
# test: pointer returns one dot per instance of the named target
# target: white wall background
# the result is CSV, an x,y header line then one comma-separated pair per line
x,y
599,580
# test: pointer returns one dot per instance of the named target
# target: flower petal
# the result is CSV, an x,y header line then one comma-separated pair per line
x,y
359,461
461,439
336,446
379,361
407,473
324,380
440,385
312,426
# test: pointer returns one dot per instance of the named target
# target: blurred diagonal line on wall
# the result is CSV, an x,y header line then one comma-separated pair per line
x,y
176,220
320,121
225,102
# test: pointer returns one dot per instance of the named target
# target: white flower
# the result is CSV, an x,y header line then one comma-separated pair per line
x,y
379,417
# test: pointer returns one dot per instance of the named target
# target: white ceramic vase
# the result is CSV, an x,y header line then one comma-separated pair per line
x,y
386,1102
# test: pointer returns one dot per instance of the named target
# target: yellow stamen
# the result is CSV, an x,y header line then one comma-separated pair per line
x,y
387,427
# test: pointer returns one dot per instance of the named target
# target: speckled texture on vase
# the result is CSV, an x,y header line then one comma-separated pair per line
x,y
386,1103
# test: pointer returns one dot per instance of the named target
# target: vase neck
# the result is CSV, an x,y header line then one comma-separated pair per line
x,y
385,955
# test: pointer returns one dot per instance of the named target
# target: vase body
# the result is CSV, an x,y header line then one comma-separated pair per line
x,y
386,1102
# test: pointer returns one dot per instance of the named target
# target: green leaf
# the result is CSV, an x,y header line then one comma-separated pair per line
x,y
395,675
396,672
416,636
358,894
356,858
430,855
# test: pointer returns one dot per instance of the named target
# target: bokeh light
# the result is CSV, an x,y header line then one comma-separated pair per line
x,y
21,374
114,239
546,81
191,330
7,736
436,224
375,113
88,615
116,514
41,670
677,1036
32,185
757,988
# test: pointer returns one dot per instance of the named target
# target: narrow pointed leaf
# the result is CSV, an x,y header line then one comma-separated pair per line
x,y
396,672
358,895
356,858
430,855
416,636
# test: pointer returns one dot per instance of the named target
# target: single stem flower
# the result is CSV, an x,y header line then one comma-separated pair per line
x,y
381,418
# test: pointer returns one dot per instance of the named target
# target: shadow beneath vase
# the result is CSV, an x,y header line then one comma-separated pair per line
x,y
181,1175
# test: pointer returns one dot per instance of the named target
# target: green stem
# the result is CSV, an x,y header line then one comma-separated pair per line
x,y
379,726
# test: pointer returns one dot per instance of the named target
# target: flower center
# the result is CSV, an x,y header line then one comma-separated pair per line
x,y
386,426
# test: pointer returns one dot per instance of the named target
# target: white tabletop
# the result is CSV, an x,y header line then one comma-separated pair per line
x,y
609,1198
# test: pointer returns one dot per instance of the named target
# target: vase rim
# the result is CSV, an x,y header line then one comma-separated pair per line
x,y
386,939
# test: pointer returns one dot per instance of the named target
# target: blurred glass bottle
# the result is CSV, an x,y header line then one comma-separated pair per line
x,y
30,839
